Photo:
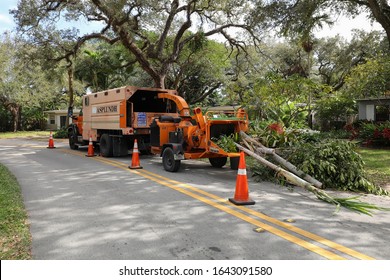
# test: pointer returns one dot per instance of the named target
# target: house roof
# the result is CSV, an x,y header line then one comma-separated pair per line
x,y
380,98
60,112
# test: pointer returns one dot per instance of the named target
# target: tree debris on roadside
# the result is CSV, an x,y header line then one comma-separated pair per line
x,y
293,176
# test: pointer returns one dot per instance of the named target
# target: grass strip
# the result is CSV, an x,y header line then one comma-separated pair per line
x,y
15,237
24,134
377,165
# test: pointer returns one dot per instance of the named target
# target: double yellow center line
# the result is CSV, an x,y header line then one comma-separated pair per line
x,y
293,234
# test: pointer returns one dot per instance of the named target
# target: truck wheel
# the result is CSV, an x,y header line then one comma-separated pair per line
x,y
72,140
169,162
218,162
106,149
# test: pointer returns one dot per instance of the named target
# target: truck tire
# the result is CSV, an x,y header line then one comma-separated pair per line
x,y
73,140
169,162
106,149
218,162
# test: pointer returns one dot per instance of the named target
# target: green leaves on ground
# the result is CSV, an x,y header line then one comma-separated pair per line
x,y
336,164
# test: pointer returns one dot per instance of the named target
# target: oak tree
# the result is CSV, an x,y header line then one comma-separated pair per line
x,y
155,32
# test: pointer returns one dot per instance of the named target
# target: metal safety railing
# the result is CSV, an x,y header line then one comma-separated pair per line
x,y
239,115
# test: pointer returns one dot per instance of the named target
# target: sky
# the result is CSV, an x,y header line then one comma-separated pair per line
x,y
343,27
6,20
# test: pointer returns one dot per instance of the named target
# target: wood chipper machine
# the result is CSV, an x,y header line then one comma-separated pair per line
x,y
193,136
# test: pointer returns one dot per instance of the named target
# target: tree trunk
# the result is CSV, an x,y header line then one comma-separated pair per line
x,y
292,168
159,81
290,177
381,12
70,91
15,111
142,59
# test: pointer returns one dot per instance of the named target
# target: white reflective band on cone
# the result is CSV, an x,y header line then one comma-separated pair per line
x,y
241,172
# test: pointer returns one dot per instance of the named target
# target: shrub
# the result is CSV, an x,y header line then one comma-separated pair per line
x,y
339,134
331,112
375,134
335,163
316,136
308,135
274,135
61,133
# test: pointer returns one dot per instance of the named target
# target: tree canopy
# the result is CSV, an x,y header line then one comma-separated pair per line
x,y
261,54
301,17
26,85
154,32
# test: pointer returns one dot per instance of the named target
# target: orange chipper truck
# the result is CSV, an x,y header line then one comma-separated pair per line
x,y
159,119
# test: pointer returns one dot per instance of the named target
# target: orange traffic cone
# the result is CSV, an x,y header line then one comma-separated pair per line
x,y
51,141
91,150
241,196
135,164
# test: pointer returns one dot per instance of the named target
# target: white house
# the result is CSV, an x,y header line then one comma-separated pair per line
x,y
374,109
57,118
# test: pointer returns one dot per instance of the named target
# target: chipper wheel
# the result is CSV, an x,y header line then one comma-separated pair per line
x,y
169,162
73,140
218,162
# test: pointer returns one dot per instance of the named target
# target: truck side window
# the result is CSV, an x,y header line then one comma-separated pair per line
x,y
86,101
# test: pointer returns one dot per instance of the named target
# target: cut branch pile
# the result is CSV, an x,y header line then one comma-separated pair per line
x,y
298,178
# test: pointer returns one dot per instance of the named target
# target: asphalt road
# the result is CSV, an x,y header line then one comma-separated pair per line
x,y
97,208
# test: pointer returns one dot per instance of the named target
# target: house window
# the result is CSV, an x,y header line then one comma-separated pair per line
x,y
382,113
62,121
370,112
52,119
